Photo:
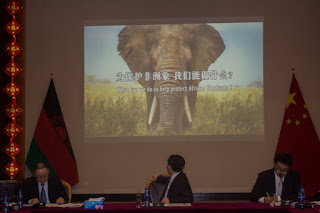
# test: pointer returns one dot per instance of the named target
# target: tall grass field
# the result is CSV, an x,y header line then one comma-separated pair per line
x,y
111,113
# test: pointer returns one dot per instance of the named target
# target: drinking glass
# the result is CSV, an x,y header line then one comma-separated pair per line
x,y
138,200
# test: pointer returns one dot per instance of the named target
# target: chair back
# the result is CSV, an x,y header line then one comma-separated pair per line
x,y
156,190
68,190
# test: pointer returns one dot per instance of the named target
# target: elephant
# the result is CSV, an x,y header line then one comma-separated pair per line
x,y
169,48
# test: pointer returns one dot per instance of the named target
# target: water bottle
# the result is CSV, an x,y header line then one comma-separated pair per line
x,y
147,198
301,198
20,199
5,204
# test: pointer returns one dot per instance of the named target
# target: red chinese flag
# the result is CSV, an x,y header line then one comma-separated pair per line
x,y
299,138
50,143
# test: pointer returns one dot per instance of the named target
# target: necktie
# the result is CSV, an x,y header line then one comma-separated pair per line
x,y
279,188
43,197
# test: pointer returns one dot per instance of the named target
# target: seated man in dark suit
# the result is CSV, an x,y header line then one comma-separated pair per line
x,y
43,187
282,181
178,189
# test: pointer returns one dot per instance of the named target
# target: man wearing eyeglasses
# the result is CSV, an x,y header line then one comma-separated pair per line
x,y
43,188
280,181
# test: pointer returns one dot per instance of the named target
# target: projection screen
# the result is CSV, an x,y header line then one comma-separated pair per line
x,y
173,80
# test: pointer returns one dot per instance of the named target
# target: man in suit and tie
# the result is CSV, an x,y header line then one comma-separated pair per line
x,y
282,181
43,187
178,188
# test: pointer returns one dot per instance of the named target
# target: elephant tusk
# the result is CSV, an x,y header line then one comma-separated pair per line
x,y
152,110
187,108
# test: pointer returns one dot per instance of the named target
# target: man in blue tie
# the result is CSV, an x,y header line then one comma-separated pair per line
x,y
178,188
280,180
43,188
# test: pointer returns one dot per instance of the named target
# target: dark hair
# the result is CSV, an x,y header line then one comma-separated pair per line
x,y
176,162
284,158
40,165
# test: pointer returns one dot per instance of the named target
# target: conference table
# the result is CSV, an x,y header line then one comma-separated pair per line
x,y
225,207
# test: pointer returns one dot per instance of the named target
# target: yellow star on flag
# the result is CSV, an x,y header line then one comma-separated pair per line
x,y
304,115
290,99
288,121
297,123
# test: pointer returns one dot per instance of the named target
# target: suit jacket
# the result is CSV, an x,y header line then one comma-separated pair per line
x,y
180,190
30,189
266,183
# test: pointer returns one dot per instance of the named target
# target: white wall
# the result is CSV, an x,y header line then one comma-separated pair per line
x,y
54,44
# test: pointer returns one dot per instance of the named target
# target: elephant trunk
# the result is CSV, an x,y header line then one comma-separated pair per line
x,y
169,105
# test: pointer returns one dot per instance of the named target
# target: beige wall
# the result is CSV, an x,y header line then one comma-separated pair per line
x,y
54,44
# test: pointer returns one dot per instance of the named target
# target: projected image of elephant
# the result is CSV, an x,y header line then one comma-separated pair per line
x,y
171,49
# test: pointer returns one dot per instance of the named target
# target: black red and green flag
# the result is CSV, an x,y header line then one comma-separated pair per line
x,y
51,143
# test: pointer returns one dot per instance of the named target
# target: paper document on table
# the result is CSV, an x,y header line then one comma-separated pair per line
x,y
177,204
316,202
71,205
51,204
278,203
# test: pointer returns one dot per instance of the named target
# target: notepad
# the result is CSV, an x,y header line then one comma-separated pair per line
x,y
177,204
71,205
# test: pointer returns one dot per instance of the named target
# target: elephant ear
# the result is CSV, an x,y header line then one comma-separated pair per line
x,y
133,48
206,46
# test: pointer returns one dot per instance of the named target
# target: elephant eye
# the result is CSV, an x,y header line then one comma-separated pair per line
x,y
153,61
187,65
